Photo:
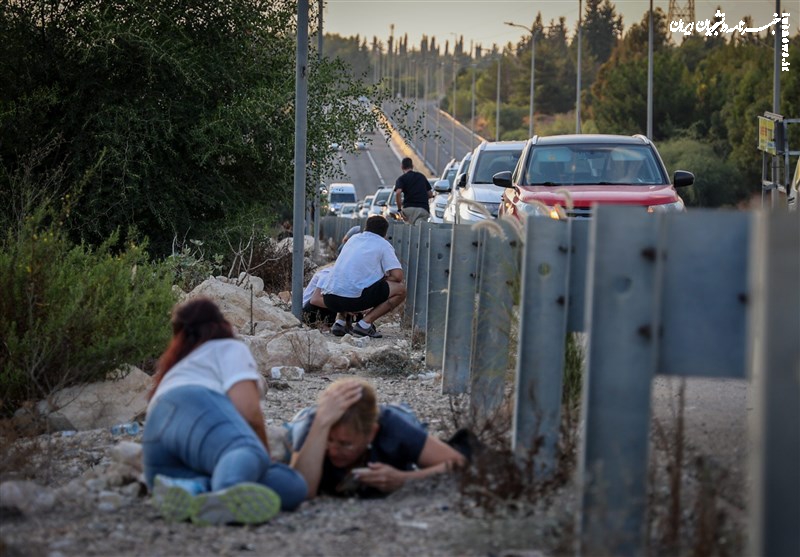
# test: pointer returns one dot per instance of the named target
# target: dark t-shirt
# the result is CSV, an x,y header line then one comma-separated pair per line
x,y
415,188
398,443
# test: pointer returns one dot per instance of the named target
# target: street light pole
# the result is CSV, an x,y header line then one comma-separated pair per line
x,y
300,135
532,31
650,74
472,114
497,104
316,182
578,92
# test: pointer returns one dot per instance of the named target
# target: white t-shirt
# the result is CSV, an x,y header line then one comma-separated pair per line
x,y
364,260
216,364
316,280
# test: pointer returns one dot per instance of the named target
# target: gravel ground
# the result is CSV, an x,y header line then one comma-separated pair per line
x,y
94,515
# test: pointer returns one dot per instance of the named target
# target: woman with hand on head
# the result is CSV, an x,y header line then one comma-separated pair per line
x,y
206,455
348,445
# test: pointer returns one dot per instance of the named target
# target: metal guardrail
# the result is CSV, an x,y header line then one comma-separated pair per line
x,y
707,293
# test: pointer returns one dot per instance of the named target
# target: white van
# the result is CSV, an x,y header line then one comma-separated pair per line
x,y
339,193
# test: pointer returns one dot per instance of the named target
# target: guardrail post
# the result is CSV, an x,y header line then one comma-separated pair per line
x,y
438,271
542,329
497,281
775,348
622,316
411,277
460,309
422,287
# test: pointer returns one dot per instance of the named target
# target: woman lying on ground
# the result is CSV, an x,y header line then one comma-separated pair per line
x,y
348,445
206,456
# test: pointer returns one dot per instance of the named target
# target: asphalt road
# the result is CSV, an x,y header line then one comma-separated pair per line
x,y
368,170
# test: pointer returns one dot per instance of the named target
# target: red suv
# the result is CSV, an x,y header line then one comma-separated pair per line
x,y
562,176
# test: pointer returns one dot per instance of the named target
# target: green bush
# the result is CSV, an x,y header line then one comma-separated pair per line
x,y
716,180
70,314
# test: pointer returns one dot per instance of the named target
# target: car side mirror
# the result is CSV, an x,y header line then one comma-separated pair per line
x,y
681,179
462,180
441,186
502,179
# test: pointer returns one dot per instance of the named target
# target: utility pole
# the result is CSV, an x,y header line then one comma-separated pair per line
x,y
497,103
472,113
316,182
300,134
650,74
578,92
425,115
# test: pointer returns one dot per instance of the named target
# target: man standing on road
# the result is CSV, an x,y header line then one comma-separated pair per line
x,y
412,192
367,274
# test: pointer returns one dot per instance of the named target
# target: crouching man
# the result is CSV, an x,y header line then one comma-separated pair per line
x,y
367,274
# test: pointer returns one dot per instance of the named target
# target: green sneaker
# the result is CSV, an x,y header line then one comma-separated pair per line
x,y
174,497
244,503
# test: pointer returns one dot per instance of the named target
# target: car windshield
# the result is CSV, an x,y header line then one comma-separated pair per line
x,y
585,164
347,208
381,195
451,175
490,163
337,197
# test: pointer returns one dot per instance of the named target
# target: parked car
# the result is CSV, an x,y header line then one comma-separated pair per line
x,y
382,195
339,193
793,194
476,185
612,169
348,210
363,212
361,144
390,211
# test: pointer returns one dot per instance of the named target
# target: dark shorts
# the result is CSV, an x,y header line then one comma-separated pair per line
x,y
371,296
314,314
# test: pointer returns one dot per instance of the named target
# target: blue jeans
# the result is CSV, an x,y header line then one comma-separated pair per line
x,y
193,432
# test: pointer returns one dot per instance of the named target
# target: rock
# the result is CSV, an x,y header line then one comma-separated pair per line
x,y
290,373
245,281
235,305
27,497
109,501
98,405
129,453
304,348
288,244
279,449
285,297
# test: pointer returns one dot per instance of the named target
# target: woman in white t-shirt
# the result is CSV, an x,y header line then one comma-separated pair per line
x,y
206,455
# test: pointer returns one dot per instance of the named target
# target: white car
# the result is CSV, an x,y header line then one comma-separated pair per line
x,y
476,184
348,211
363,212
381,198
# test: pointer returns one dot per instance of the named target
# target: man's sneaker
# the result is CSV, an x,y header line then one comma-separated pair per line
x,y
338,330
174,496
244,503
370,331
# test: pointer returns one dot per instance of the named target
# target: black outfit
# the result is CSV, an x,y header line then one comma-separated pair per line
x,y
415,188
399,443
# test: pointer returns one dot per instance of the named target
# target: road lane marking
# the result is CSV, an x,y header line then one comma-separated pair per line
x,y
375,166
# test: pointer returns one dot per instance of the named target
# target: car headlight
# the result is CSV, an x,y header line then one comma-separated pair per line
x,y
675,207
537,210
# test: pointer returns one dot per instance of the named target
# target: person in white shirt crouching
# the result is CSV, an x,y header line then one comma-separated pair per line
x,y
367,274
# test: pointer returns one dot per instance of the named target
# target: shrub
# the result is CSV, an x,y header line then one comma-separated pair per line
x,y
70,314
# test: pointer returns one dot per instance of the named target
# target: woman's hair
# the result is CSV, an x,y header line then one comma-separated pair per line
x,y
193,323
363,414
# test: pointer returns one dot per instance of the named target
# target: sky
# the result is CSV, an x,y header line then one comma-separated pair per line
x,y
482,21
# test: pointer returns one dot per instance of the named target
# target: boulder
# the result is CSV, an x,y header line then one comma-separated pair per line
x,y
288,244
98,405
235,305
245,281
27,497
305,348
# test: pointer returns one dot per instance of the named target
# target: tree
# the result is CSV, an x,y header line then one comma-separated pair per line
x,y
602,28
167,116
